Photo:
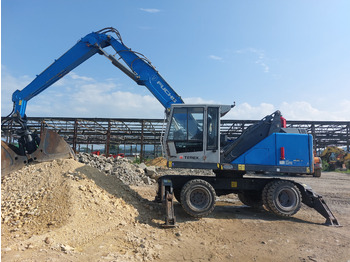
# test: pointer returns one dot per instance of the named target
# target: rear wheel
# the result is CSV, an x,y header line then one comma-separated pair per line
x,y
264,196
283,198
198,198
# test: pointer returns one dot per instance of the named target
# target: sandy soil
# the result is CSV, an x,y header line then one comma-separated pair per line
x,y
66,211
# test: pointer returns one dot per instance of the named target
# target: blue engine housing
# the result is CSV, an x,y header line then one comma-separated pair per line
x,y
298,152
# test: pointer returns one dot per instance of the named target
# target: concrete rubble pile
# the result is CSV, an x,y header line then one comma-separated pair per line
x,y
59,206
33,194
128,172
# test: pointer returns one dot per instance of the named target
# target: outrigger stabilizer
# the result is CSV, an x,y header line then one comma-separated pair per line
x,y
316,201
166,196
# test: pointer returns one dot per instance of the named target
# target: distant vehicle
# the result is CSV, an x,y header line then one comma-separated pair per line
x,y
336,158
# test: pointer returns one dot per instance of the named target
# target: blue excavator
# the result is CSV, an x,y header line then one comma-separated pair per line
x,y
192,140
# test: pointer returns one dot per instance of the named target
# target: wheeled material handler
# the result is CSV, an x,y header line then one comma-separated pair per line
x,y
192,139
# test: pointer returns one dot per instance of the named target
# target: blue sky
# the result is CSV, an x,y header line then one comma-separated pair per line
x,y
264,55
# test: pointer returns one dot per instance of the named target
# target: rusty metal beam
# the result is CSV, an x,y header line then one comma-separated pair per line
x,y
122,131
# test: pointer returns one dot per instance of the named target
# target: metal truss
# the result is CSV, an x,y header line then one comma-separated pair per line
x,y
325,133
141,132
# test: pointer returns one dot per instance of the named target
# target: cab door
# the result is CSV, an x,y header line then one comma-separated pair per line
x,y
212,150
193,134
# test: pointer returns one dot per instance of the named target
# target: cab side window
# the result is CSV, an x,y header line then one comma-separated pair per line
x,y
186,129
212,128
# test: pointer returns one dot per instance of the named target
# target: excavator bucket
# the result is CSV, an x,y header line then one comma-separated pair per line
x,y
51,147
10,160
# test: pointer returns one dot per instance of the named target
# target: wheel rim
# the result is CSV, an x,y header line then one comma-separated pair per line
x,y
199,198
286,199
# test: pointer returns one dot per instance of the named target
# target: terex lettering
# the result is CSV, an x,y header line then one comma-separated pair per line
x,y
191,157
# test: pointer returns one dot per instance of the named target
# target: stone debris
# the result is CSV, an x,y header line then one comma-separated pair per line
x,y
34,195
48,240
62,201
123,168
31,195
66,248
62,205
135,174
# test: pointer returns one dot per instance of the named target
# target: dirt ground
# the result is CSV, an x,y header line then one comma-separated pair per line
x,y
66,211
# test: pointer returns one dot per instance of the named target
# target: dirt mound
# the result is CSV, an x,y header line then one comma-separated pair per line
x,y
66,205
37,197
159,161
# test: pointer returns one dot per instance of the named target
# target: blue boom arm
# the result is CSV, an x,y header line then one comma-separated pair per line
x,y
138,69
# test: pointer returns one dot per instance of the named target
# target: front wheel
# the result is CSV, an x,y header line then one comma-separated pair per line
x,y
198,198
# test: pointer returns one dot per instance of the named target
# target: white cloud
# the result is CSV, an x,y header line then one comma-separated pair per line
x,y
299,110
259,57
9,84
246,111
198,100
80,96
265,67
150,10
302,110
77,77
214,57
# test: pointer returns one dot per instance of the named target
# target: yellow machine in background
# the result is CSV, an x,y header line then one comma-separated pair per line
x,y
336,158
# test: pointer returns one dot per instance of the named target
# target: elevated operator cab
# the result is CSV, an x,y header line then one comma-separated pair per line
x,y
192,137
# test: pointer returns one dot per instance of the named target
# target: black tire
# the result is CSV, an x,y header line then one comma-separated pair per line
x,y
251,198
264,196
284,198
198,198
317,173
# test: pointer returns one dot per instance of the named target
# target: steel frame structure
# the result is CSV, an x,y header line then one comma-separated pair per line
x,y
325,133
141,132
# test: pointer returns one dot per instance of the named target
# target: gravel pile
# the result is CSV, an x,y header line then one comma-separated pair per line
x,y
62,205
36,197
128,172
40,192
